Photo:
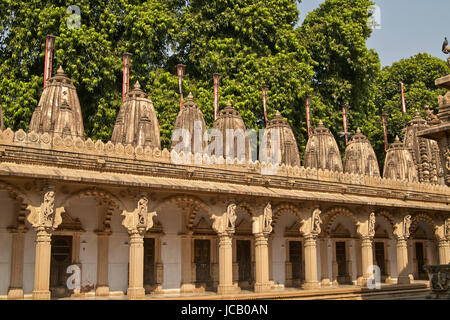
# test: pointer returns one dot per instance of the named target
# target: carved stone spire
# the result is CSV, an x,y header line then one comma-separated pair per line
x,y
190,119
289,154
136,123
424,151
322,151
230,121
58,111
399,163
360,157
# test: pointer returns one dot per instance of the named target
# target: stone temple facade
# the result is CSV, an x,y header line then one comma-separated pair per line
x,y
133,221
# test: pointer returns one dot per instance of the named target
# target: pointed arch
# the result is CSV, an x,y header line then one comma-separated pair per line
x,y
285,208
96,193
422,217
333,213
186,201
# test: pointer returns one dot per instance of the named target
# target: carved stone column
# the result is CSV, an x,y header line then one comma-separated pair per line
x,y
187,281
444,251
44,219
225,265
366,230
102,287
261,228
42,265
262,263
137,223
402,261
159,266
311,229
271,281
15,290
401,232
224,225
367,258
325,277
311,279
442,233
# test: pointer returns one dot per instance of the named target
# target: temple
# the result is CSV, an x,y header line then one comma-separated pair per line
x,y
129,220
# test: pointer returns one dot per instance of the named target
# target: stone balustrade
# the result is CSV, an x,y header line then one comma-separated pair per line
x,y
88,147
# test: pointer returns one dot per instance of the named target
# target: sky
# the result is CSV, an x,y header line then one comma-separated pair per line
x,y
407,27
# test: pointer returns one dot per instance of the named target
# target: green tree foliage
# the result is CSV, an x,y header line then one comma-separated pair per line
x,y
250,43
335,35
91,55
418,74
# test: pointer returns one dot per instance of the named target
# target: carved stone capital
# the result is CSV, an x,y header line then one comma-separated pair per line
x,y
442,231
366,227
225,223
139,220
46,216
401,227
262,223
312,226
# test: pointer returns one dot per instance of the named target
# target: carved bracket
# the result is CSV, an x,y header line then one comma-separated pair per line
x,y
46,215
139,220
225,223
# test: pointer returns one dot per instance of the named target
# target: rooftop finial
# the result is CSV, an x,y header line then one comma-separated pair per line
x,y
190,96
60,70
228,105
137,85
397,139
358,130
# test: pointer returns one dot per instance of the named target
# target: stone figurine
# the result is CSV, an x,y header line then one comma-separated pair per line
x,y
316,221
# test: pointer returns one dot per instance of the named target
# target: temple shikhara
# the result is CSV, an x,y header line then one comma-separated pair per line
x,y
131,219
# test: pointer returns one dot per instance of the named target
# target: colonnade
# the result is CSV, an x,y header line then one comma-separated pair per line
x,y
46,218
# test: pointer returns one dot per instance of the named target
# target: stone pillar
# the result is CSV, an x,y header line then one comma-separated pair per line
x,y
334,266
42,265
444,251
272,283
137,222
136,267
159,266
262,263
311,280
224,225
187,281
261,229
15,290
367,258
102,287
225,265
325,277
44,218
402,261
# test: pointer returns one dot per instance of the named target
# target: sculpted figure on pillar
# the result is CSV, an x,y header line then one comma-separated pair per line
x,y
371,232
447,228
225,223
231,216
406,225
139,220
267,226
401,229
316,221
46,215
